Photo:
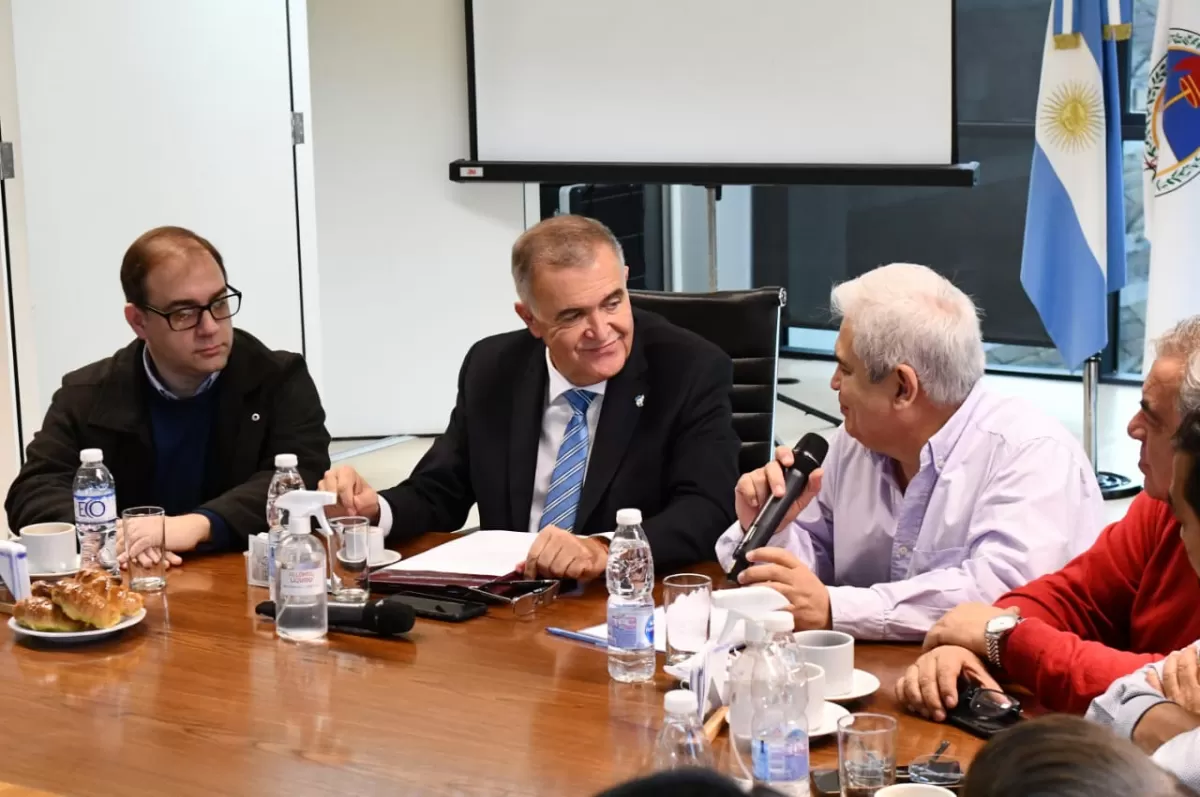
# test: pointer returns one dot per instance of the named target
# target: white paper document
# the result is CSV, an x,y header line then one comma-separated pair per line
x,y
481,553
716,623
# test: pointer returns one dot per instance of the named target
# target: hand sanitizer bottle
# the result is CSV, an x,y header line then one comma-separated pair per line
x,y
301,607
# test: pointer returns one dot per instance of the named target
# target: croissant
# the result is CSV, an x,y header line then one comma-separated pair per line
x,y
128,601
87,603
41,614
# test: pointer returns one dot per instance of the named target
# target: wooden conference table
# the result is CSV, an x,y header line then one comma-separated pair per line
x,y
202,699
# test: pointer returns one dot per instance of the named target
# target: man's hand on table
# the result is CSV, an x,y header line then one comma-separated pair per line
x,y
181,533
557,553
354,495
964,626
783,572
930,687
1180,682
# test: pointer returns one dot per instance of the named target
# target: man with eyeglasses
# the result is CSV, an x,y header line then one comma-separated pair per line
x,y
190,415
1158,706
1126,602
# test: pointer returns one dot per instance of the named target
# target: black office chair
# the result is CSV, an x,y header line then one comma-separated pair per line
x,y
745,324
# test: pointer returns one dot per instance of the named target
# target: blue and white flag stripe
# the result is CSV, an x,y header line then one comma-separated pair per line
x,y
1074,252
1119,23
1064,14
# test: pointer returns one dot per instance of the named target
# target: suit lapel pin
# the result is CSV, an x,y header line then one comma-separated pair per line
x,y
639,400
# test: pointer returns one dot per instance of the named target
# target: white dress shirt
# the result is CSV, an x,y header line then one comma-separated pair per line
x,y
555,417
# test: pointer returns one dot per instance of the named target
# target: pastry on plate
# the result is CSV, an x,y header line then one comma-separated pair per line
x,y
42,614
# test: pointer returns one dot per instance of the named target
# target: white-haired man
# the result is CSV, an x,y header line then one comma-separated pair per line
x,y
935,491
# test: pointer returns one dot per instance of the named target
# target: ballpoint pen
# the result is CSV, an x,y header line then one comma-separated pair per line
x,y
577,637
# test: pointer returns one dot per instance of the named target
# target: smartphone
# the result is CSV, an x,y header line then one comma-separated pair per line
x,y
438,608
983,728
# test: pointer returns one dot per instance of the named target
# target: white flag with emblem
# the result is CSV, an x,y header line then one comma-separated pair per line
x,y
1172,169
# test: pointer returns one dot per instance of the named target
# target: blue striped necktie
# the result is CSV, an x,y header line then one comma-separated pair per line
x,y
566,481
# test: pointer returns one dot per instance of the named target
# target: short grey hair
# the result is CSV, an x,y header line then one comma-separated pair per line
x,y
905,314
1182,342
565,241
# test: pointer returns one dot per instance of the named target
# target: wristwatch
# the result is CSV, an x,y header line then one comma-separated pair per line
x,y
994,633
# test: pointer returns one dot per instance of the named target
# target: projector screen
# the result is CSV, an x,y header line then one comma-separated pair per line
x,y
867,82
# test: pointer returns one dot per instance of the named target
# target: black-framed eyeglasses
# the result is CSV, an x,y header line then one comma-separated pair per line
x,y
185,318
990,704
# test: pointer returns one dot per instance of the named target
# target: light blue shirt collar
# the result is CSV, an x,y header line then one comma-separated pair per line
x,y
162,389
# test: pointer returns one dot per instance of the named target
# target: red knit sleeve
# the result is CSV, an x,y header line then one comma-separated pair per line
x,y
1068,650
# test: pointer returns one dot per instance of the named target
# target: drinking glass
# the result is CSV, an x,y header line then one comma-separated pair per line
x,y
349,573
687,605
866,753
144,529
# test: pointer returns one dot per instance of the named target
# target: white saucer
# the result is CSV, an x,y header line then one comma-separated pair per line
x,y
77,636
389,558
58,574
864,685
829,721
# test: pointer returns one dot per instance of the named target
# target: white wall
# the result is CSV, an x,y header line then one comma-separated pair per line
x,y
137,113
414,268
14,241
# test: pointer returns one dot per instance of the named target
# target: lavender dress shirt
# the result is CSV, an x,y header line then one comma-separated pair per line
x,y
1004,494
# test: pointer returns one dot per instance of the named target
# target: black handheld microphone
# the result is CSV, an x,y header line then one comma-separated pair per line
x,y
808,454
385,617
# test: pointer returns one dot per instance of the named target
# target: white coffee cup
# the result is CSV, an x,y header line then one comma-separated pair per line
x,y
833,652
913,790
50,547
815,710
375,548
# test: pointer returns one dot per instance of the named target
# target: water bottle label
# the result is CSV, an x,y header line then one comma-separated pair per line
x,y
781,761
100,508
631,628
302,582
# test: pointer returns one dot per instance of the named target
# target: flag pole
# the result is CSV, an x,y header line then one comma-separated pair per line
x,y
1112,485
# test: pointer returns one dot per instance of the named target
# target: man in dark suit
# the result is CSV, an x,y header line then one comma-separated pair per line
x,y
190,415
595,408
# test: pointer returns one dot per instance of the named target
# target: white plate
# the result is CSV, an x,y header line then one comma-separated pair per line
x,y
77,636
833,713
388,558
864,685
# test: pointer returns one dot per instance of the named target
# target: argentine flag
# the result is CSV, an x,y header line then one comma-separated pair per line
x,y
1074,252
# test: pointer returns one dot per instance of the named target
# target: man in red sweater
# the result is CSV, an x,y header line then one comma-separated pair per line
x,y
1128,601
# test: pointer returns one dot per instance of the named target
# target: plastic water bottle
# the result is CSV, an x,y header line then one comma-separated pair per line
x,y
778,728
681,742
630,580
285,480
96,512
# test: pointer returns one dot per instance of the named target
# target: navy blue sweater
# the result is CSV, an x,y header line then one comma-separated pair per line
x,y
181,429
